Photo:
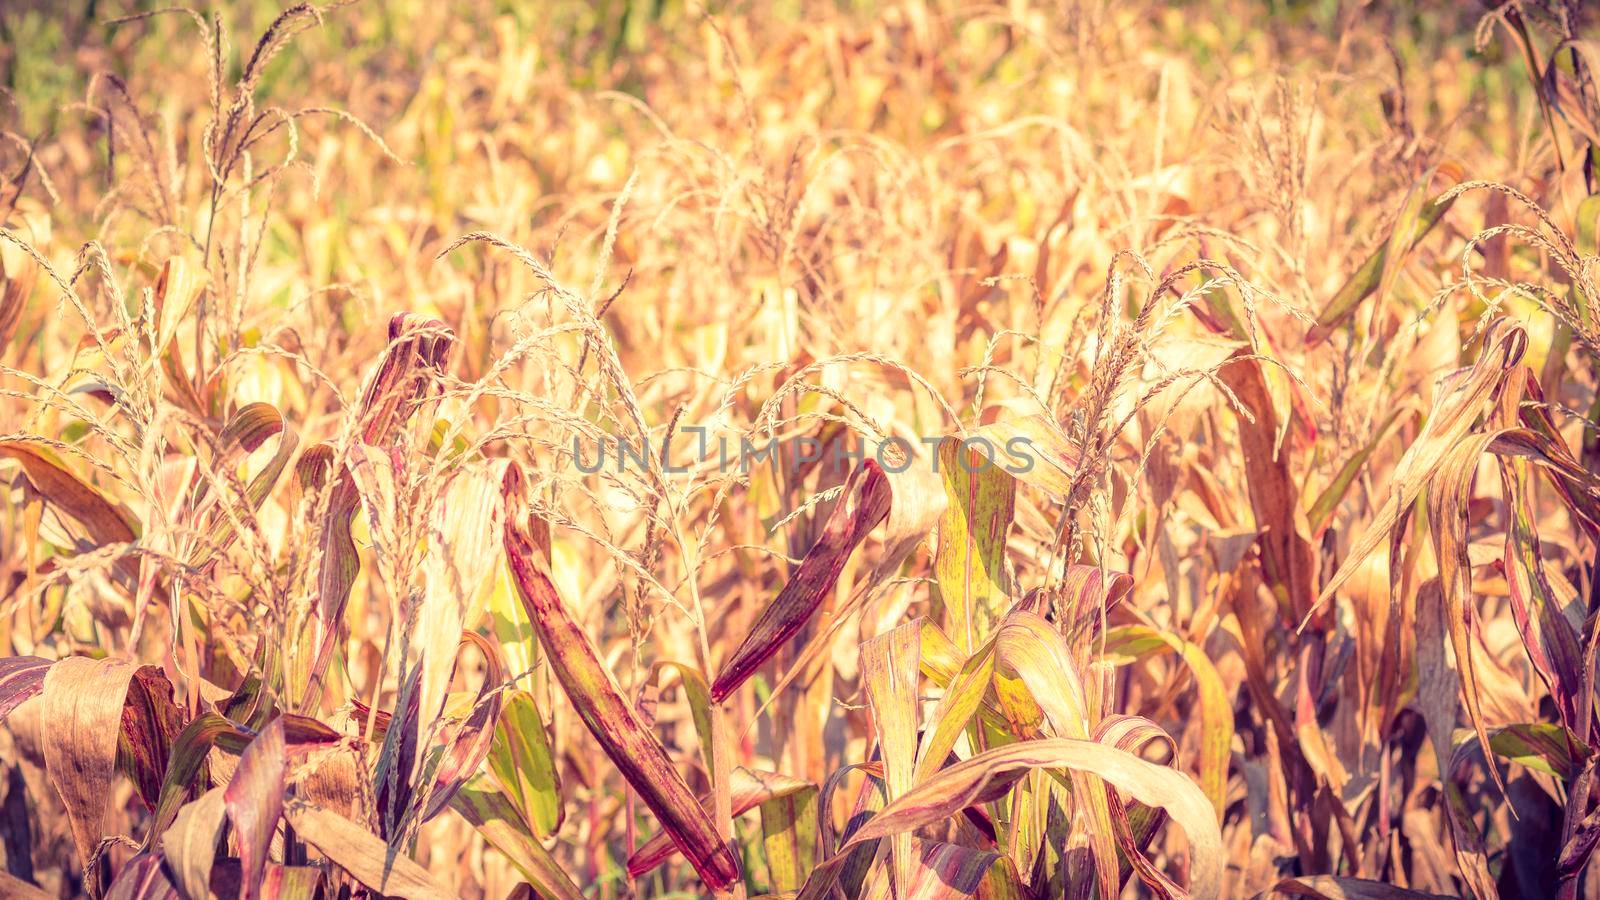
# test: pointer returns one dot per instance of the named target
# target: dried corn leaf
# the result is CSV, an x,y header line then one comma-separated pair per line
x,y
190,844
356,850
84,701
865,503
594,695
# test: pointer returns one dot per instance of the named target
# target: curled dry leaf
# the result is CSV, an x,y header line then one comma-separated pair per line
x,y
84,701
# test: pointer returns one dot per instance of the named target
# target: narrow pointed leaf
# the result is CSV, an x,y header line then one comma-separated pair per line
x,y
865,503
522,759
593,692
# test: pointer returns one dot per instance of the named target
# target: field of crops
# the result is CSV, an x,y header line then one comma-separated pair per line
x,y
680,448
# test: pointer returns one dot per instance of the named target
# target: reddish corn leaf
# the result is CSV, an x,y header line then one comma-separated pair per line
x,y
1135,825
1552,644
20,678
1450,491
1287,561
1086,594
467,744
250,427
149,724
419,348
1542,746
105,521
594,695
143,878
748,789
865,503
254,801
184,763
917,501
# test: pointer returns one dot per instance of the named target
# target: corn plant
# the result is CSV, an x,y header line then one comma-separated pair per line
x,y
931,451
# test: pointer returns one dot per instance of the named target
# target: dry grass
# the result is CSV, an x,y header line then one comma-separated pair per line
x,y
312,322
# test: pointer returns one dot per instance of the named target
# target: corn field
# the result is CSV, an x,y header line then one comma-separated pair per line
x,y
651,448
